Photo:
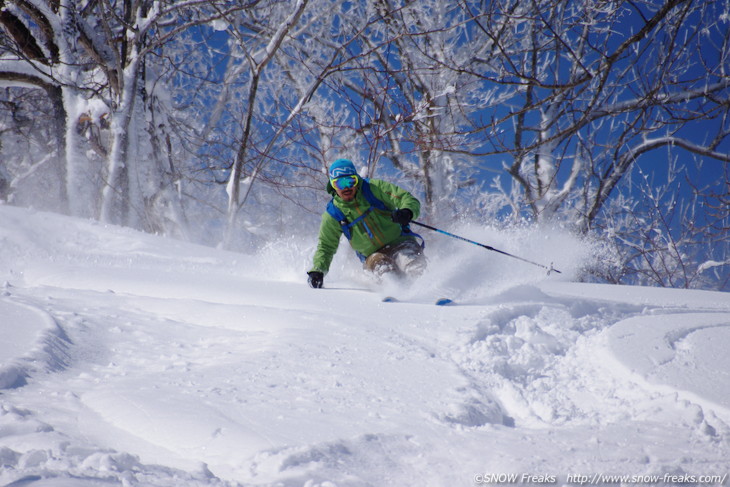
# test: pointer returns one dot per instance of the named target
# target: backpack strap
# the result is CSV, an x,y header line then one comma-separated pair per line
x,y
337,214
370,197
346,225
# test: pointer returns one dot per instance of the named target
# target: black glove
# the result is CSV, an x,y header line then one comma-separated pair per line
x,y
316,279
402,216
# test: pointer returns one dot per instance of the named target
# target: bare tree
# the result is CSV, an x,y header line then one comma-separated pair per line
x,y
92,59
405,102
39,52
257,57
31,159
285,67
584,91
593,86
134,30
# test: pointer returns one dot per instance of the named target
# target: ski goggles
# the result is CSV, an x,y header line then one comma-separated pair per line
x,y
345,182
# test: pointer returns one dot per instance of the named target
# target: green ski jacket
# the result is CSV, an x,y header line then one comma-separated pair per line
x,y
383,229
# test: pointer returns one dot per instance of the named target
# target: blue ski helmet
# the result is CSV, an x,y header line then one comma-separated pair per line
x,y
342,167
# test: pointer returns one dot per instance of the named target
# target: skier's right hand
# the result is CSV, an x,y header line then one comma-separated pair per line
x,y
316,279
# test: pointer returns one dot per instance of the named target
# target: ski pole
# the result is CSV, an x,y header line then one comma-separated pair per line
x,y
549,269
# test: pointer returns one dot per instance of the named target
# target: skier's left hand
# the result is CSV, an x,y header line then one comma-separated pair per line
x,y
316,279
402,216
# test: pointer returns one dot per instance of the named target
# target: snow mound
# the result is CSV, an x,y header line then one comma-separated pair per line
x,y
31,340
684,353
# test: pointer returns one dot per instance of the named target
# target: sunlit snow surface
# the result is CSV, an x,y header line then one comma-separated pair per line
x,y
128,359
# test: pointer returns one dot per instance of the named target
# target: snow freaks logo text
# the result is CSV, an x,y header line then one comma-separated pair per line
x,y
513,478
599,479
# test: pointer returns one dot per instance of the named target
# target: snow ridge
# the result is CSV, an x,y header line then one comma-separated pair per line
x,y
33,342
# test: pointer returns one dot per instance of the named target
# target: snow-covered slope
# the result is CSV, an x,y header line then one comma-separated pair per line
x,y
127,359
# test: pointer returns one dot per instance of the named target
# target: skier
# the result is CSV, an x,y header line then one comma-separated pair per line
x,y
374,216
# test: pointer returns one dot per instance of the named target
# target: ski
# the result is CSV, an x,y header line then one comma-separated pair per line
x,y
438,302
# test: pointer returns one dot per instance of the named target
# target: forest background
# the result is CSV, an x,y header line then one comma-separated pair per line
x,y
214,121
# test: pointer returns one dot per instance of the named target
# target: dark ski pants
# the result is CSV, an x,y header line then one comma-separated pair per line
x,y
404,259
